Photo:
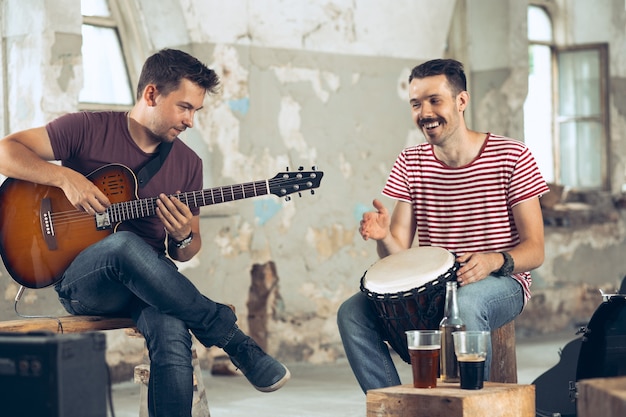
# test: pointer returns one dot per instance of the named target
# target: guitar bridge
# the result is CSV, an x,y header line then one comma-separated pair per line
x,y
103,221
47,225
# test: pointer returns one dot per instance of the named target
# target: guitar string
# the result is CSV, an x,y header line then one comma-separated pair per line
x,y
148,204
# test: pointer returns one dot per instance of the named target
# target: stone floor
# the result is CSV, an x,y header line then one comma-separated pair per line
x,y
325,390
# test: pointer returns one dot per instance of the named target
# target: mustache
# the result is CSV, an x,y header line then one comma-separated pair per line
x,y
428,120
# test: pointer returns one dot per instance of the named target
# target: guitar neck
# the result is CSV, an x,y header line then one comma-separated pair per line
x,y
146,207
282,185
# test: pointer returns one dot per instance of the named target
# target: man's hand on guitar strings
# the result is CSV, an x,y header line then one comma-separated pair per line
x,y
84,194
175,215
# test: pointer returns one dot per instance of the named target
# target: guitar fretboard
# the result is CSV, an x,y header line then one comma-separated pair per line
x,y
146,207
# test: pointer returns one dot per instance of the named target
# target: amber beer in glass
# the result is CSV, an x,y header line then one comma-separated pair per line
x,y
424,347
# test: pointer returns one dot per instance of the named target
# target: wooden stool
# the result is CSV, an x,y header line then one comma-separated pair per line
x,y
503,355
449,400
200,404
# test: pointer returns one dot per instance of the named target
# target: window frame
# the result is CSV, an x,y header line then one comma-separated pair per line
x,y
557,120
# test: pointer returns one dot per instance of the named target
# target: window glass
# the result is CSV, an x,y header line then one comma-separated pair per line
x,y
581,147
539,25
105,78
582,136
579,83
95,8
538,109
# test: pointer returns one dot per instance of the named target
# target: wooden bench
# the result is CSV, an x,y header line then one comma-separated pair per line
x,y
82,324
66,324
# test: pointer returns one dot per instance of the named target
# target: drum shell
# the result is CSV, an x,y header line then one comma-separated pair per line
x,y
420,308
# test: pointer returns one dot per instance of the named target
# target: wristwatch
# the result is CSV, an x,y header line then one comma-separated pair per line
x,y
508,265
185,242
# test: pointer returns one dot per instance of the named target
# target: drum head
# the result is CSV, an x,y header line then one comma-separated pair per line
x,y
408,269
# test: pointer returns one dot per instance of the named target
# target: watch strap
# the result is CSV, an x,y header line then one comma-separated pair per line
x,y
185,242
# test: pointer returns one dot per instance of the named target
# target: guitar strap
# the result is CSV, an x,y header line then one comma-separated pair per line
x,y
152,167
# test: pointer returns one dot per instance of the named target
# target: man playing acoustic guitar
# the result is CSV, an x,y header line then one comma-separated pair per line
x,y
129,272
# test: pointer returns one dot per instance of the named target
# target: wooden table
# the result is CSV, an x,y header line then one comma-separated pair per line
x,y
449,400
602,397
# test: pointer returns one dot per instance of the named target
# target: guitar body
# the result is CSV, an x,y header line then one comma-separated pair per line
x,y
41,232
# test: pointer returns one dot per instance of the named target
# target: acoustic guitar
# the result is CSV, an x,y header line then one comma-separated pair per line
x,y
41,232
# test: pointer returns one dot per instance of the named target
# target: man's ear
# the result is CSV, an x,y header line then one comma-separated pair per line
x,y
462,100
150,94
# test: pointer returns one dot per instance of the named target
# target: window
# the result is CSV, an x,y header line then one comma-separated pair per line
x,y
581,117
565,113
106,78
539,106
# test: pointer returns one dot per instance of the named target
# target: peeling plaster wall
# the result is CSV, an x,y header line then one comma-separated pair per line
x,y
324,84
42,76
277,113
345,27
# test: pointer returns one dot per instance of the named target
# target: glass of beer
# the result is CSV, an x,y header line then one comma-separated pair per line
x,y
424,347
471,350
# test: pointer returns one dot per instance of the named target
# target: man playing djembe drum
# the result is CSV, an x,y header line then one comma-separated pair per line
x,y
474,194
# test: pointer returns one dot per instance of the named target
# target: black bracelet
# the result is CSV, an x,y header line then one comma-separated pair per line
x,y
508,266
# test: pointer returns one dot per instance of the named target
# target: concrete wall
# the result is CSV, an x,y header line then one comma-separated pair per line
x,y
320,83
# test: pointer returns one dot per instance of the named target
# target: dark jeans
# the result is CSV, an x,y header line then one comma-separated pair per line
x,y
123,275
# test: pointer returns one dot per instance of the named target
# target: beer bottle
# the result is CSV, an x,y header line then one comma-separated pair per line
x,y
450,323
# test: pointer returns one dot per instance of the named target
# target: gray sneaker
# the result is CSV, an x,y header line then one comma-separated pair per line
x,y
265,373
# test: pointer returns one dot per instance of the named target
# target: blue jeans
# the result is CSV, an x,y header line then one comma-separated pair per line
x,y
123,275
483,305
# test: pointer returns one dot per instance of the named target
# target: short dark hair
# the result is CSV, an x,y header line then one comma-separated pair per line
x,y
168,67
452,69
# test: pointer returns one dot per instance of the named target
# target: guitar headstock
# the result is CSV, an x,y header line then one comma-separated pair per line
x,y
286,183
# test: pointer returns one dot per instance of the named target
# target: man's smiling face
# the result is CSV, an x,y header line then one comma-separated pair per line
x,y
435,109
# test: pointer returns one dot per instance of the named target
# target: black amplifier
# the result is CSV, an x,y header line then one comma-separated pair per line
x,y
50,375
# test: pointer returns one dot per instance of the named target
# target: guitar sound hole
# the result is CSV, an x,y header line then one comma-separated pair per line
x,y
113,185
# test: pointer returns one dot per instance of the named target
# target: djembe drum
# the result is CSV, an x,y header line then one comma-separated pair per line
x,y
408,291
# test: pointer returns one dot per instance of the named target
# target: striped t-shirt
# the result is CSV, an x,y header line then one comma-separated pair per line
x,y
468,209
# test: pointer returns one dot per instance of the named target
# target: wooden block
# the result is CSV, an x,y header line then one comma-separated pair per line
x,y
142,374
604,397
449,400
503,357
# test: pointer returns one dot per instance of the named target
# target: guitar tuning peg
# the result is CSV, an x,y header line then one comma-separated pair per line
x,y
314,168
287,198
312,192
287,168
300,168
300,195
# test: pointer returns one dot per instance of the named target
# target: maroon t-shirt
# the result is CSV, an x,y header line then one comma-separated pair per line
x,y
89,140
